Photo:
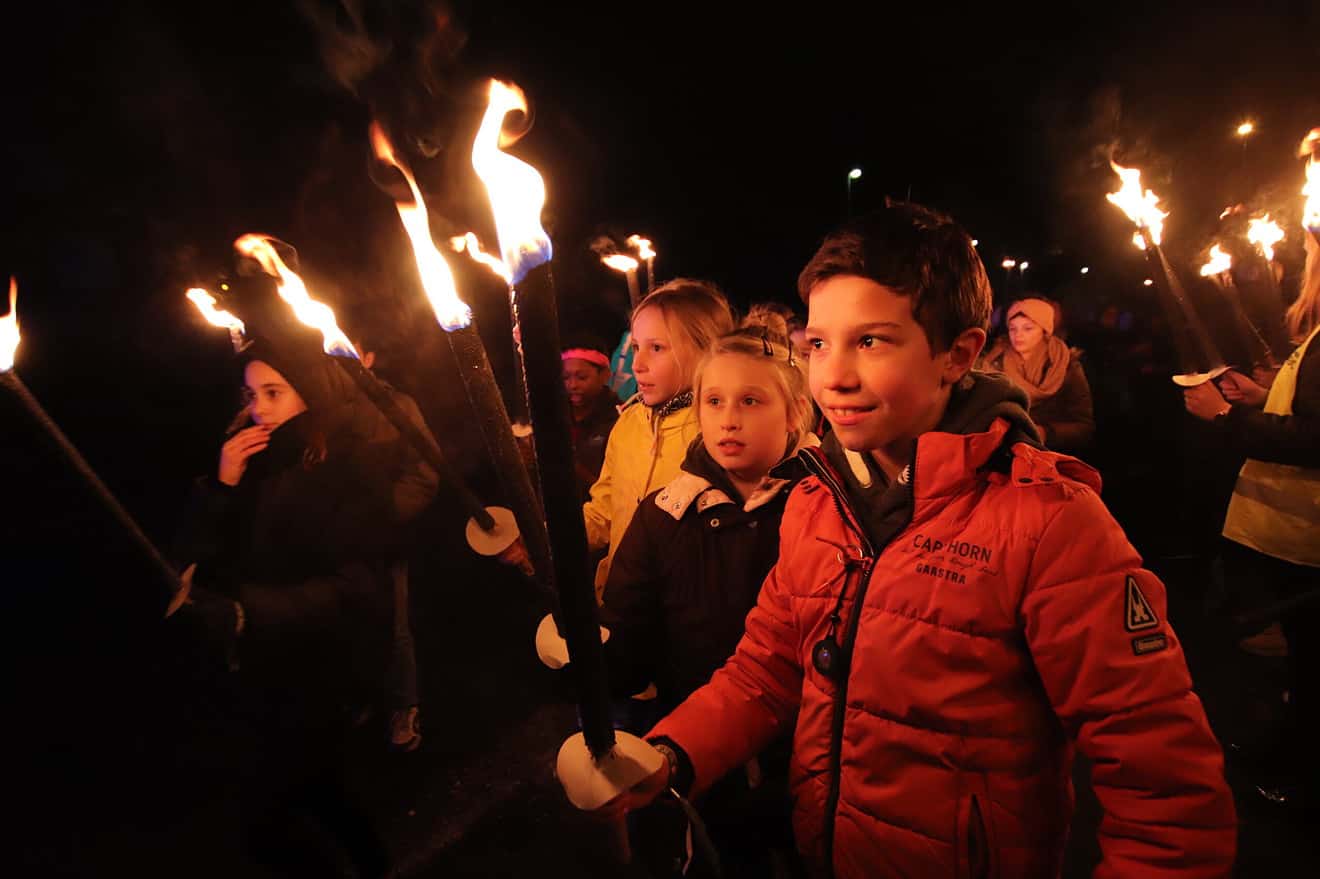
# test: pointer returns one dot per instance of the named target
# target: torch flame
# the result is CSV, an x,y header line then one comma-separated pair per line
x,y
437,278
472,245
1140,205
515,189
642,245
217,317
1311,210
1219,262
620,262
1264,233
292,290
9,330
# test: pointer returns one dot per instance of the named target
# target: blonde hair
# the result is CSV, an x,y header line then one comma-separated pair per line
x,y
763,336
695,313
1303,316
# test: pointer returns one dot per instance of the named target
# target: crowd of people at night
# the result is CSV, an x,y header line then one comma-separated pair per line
x,y
861,590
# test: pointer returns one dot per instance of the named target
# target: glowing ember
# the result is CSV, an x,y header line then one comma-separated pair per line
x,y
642,246
1264,233
1140,205
292,290
1218,263
515,189
218,317
436,276
9,330
620,262
470,244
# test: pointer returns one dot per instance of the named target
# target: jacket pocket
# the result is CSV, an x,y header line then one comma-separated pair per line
x,y
975,846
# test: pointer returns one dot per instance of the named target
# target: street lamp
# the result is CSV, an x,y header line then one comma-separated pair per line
x,y
1244,132
852,175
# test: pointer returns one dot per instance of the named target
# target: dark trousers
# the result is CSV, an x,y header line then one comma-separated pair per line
x,y
1301,627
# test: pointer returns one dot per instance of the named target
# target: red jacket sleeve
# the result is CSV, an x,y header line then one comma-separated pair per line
x,y
1097,626
754,697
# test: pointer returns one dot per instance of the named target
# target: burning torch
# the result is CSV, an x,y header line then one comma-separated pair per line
x,y
1218,268
598,763
646,253
9,339
1198,358
490,529
623,263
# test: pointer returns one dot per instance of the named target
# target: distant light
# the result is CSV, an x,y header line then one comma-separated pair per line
x,y
976,242
1086,269
854,173
224,286
1025,265
1245,129
1008,263
1147,283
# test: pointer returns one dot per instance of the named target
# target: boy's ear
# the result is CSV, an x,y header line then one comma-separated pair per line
x,y
962,354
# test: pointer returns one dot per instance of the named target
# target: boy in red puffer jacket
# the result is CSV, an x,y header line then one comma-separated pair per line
x,y
953,611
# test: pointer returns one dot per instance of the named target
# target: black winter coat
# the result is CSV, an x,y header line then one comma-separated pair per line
x,y
304,548
685,575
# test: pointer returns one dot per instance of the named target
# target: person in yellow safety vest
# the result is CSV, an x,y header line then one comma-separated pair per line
x,y
1274,514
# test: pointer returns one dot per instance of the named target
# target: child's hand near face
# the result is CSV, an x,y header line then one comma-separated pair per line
x,y
234,454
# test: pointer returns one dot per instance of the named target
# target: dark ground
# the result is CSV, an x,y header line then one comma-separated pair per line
x,y
113,762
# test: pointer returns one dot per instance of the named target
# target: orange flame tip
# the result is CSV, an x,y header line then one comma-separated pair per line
x,y
470,244
292,290
642,246
1218,263
1264,233
620,262
436,276
9,336
1140,205
515,189
217,317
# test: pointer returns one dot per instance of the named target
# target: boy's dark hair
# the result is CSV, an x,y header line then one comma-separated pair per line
x,y
916,252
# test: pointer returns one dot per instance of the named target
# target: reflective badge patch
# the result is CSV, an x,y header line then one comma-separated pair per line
x,y
1148,644
1139,613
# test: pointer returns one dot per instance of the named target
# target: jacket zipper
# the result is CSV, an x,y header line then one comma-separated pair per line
x,y
822,470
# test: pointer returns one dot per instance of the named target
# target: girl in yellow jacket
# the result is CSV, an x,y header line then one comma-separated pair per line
x,y
671,328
